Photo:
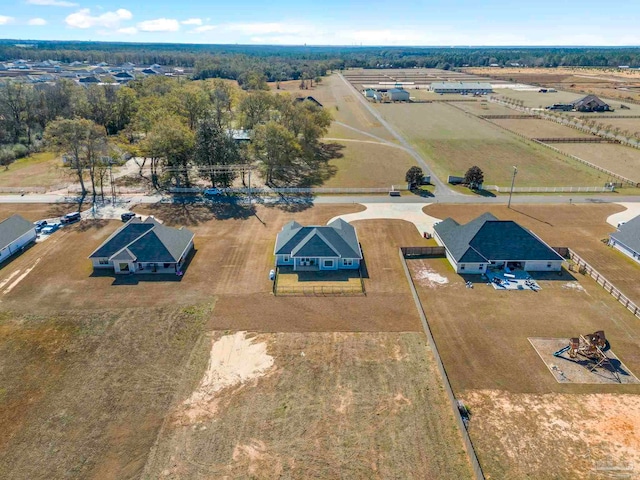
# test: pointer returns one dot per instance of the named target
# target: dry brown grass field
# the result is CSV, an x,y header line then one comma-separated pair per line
x,y
619,159
331,405
365,160
611,83
38,170
484,107
523,423
631,124
367,163
538,128
452,141
98,368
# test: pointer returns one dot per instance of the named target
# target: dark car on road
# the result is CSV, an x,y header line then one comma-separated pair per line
x,y
70,218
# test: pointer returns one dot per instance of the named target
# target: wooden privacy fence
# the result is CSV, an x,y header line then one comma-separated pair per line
x,y
586,268
409,252
471,453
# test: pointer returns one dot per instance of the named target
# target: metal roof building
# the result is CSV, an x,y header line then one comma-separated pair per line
x,y
461,87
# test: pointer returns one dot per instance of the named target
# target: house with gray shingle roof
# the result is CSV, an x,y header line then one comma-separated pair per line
x,y
331,247
144,247
16,232
487,242
627,238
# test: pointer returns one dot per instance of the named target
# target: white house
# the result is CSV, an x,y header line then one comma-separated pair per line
x,y
331,247
16,232
627,238
144,247
487,242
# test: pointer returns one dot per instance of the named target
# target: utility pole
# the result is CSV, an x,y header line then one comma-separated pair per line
x,y
513,180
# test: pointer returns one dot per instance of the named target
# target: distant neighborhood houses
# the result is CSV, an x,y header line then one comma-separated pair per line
x,y
49,71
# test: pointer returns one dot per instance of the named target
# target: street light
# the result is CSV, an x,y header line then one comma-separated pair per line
x,y
513,180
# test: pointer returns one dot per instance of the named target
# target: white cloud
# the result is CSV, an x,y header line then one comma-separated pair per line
x,y
4,19
128,30
37,22
159,25
52,3
83,19
203,28
192,21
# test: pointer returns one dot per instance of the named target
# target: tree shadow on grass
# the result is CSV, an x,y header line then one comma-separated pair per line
x,y
483,193
422,193
312,173
191,214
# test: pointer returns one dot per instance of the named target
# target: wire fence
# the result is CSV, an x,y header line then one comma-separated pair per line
x,y
471,453
288,190
496,188
318,291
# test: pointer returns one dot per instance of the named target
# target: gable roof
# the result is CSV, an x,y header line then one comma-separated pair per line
x,y
309,98
13,228
589,100
145,241
338,239
486,239
629,234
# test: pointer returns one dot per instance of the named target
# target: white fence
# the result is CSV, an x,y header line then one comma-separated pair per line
x,y
271,191
495,188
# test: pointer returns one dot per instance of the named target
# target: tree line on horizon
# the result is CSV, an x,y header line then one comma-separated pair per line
x,y
280,63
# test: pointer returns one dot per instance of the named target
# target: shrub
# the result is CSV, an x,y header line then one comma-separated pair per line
x,y
19,151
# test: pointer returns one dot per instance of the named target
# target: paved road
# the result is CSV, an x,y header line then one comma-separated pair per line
x,y
441,187
320,199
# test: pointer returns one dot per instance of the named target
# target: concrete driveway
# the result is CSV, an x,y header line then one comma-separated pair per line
x,y
632,211
410,212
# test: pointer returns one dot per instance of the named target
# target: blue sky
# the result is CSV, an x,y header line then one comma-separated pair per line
x,y
328,22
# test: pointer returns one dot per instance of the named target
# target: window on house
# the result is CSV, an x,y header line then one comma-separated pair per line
x,y
548,264
481,266
347,262
462,267
285,258
103,261
328,263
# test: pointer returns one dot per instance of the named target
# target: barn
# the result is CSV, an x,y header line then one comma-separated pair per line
x,y
398,95
16,232
627,238
489,243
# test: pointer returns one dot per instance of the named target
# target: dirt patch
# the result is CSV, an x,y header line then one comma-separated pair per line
x,y
550,436
426,276
335,405
235,359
